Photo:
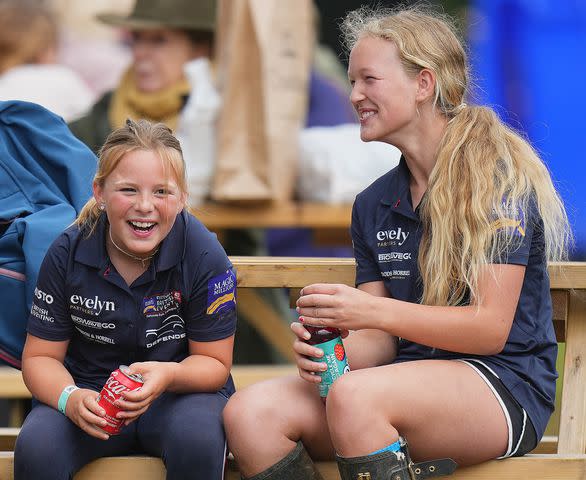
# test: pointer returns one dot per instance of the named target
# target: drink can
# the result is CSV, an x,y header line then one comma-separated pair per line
x,y
120,380
328,340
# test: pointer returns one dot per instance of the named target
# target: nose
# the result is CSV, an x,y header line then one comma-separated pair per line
x,y
356,95
144,202
140,50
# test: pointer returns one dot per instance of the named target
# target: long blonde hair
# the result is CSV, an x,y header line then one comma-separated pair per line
x,y
484,170
139,135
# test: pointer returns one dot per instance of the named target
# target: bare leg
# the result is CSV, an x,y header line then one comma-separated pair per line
x,y
265,421
443,409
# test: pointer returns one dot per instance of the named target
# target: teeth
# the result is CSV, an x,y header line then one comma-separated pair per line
x,y
143,224
365,115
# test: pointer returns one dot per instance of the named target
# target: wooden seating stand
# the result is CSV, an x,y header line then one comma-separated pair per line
x,y
563,457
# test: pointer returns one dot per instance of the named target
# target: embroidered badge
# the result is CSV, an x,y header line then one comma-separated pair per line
x,y
162,304
222,292
513,221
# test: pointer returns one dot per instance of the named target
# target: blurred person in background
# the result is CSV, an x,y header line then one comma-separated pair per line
x,y
28,56
98,53
164,36
167,38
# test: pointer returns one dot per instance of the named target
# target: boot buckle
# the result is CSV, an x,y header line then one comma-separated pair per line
x,y
433,468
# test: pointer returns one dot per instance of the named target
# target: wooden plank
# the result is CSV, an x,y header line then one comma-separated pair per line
x,y
572,434
301,271
292,271
6,465
8,438
567,275
123,468
216,216
534,467
11,384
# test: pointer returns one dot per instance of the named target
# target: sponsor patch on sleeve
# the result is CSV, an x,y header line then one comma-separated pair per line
x,y
222,292
514,220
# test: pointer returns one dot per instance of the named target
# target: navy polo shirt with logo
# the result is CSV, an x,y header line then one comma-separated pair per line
x,y
386,234
188,292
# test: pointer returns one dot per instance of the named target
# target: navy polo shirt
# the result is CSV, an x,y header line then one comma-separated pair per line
x,y
386,234
188,292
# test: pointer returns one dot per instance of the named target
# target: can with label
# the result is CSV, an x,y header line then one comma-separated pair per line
x,y
120,380
328,340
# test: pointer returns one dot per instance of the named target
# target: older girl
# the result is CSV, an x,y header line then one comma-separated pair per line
x,y
451,344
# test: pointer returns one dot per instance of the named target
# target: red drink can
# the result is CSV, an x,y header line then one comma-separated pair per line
x,y
120,380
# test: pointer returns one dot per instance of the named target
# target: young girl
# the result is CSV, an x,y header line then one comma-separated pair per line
x,y
451,346
136,281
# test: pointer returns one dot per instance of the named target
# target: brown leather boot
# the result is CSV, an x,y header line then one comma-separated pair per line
x,y
297,465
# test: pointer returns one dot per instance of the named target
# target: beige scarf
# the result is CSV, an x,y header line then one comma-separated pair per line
x,y
163,106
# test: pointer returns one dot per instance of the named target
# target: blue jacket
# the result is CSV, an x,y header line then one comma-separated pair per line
x,y
45,179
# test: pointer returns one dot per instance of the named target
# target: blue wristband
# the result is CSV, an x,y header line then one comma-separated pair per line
x,y
62,403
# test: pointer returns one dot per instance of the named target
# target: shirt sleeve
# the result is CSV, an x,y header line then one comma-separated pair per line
x,y
211,309
367,269
49,317
517,232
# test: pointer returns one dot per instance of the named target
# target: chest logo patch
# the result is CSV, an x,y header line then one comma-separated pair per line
x,y
162,304
221,292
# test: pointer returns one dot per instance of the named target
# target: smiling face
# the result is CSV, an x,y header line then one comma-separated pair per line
x,y
142,201
159,56
383,93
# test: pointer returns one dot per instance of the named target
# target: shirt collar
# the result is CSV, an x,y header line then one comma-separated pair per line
x,y
397,194
92,250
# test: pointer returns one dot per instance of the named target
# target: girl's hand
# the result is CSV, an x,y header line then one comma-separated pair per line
x,y
308,369
157,377
338,306
82,409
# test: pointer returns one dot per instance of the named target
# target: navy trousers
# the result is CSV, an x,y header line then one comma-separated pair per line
x,y
184,430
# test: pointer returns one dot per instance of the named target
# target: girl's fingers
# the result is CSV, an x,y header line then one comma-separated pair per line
x,y
309,377
129,406
310,366
132,415
94,430
316,313
305,350
91,404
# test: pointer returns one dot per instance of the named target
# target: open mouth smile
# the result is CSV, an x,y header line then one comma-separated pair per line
x,y
142,226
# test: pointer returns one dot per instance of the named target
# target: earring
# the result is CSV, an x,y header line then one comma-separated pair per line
x,y
102,206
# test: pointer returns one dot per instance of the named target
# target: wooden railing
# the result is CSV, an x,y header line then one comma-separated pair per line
x,y
561,459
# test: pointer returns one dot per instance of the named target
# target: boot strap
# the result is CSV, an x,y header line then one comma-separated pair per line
x,y
433,468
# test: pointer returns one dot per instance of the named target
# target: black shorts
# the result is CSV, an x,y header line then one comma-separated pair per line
x,y
522,436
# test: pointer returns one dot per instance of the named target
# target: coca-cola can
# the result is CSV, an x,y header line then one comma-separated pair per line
x,y
120,380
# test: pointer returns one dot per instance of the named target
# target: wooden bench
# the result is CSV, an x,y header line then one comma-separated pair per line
x,y
329,224
562,458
